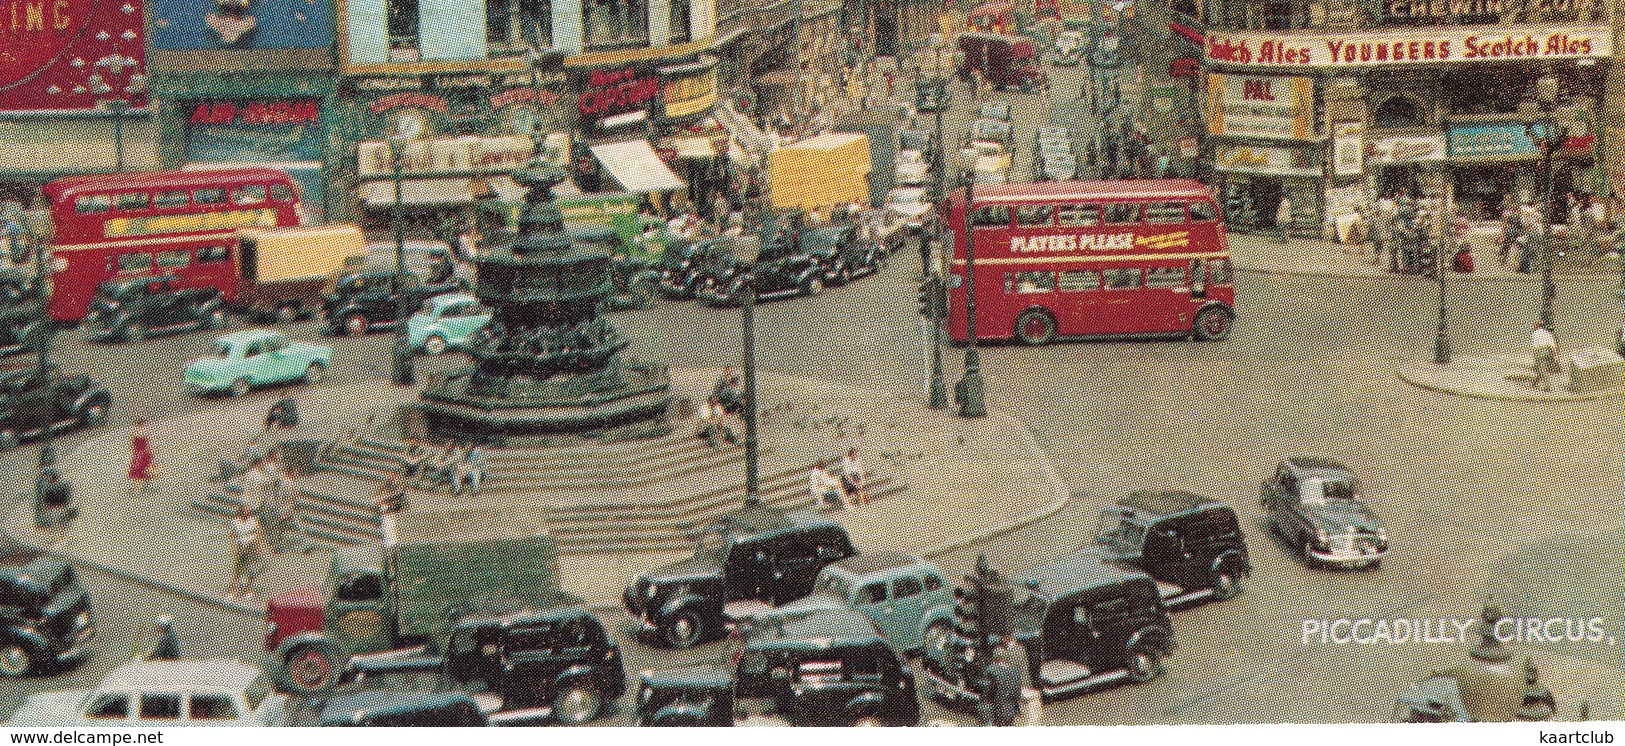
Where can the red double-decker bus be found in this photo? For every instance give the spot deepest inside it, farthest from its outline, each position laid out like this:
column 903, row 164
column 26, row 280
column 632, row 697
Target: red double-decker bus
column 1092, row 259
column 176, row 222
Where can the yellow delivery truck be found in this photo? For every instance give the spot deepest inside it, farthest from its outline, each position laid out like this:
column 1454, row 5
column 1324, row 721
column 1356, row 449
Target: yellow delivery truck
column 820, row 172
column 280, row 271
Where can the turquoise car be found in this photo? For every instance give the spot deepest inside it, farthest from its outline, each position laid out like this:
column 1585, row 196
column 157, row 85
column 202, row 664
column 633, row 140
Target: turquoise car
column 243, row 361
column 905, row 596
column 446, row 321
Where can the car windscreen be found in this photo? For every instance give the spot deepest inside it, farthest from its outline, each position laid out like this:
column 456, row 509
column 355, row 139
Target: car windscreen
column 1027, row 613
column 1119, row 532
column 1319, row 490
column 713, row 545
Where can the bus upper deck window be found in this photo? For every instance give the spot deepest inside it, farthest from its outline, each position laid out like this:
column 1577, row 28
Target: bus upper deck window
column 1123, row 213
column 248, row 195
column 168, row 200
column 1074, row 216
column 212, row 196
column 132, row 201
column 1202, row 212
column 1035, row 215
column 282, row 192
column 93, row 203
column 992, row 216
column 1164, row 213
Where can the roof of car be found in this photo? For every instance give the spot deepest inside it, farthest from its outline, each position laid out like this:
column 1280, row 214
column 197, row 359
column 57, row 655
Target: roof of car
column 690, row 676
column 863, row 564
column 446, row 299
column 249, row 335
column 349, row 708
column 822, row 629
column 1316, row 463
column 1167, row 502
column 1073, row 572
column 558, row 606
column 197, row 674
column 763, row 519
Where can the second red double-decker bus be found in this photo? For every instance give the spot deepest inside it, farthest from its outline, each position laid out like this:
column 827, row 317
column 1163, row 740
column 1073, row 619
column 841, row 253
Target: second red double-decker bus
column 176, row 222
column 1092, row 259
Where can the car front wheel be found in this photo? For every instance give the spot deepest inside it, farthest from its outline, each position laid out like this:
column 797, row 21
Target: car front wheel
column 435, row 345
column 356, row 325
column 1144, row 664
column 686, row 630
column 241, row 387
column 134, row 333
column 577, row 704
column 8, row 439
column 813, row 286
column 1226, row 585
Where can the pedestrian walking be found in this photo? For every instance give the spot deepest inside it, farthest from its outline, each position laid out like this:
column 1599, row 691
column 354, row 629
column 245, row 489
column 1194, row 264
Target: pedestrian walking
column 53, row 503
column 232, row 468
column 1004, row 690
column 247, row 555
column 470, row 471
column 283, row 415
column 141, row 466
column 166, row 645
column 1283, row 219
column 1543, row 348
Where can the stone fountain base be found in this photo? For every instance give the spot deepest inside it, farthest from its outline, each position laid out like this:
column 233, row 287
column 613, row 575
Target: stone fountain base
column 626, row 400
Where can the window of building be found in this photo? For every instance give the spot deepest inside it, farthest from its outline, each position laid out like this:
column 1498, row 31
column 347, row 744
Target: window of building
column 1035, row 215
column 1397, row 111
column 615, row 23
column 1165, row 212
column 170, row 200
column 134, row 262
column 212, row 254
column 1074, row 216
column 1025, row 283
column 679, row 21
column 1080, row 279
column 215, row 196
column 178, row 258
column 1123, row 213
column 1202, row 212
column 992, row 216
column 1122, row 279
column 1165, row 277
column 132, row 201
column 402, row 17
column 92, row 204
column 536, row 22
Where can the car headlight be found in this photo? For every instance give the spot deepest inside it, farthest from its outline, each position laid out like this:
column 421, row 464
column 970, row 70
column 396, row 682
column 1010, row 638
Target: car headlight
column 644, row 694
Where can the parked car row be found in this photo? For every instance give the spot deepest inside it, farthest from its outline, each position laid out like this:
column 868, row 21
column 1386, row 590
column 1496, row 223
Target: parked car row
column 792, row 258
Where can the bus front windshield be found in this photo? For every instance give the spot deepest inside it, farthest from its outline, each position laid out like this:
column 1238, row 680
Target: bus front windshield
column 1119, row 532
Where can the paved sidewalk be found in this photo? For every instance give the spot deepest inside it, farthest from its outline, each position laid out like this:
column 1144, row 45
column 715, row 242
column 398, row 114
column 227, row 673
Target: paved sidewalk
column 1316, row 257
column 1501, row 377
column 966, row 480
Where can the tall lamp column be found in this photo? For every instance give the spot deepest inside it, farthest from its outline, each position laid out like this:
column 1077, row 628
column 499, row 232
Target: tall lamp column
column 1540, row 125
column 401, row 373
column 747, row 320
column 970, row 391
column 1441, row 342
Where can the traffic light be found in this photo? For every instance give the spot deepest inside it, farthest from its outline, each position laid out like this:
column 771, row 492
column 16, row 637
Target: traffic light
column 928, row 295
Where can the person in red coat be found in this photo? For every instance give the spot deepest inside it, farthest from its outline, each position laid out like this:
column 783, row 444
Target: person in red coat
column 140, row 457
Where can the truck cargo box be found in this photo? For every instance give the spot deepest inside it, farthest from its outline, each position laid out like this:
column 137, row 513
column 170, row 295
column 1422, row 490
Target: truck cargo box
column 465, row 560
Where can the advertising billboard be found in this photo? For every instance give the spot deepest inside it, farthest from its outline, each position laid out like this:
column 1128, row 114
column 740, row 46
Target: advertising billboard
column 1261, row 106
column 60, row 55
column 197, row 25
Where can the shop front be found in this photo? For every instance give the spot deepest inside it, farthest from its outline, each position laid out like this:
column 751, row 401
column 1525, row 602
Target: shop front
column 1251, row 180
column 287, row 134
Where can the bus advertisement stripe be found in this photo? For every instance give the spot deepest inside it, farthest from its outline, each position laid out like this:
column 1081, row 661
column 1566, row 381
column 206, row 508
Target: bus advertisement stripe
column 1101, row 258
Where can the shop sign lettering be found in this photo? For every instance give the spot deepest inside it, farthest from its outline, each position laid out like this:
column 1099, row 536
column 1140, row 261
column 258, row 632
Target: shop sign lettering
column 1254, row 106
column 256, row 112
column 617, row 92
column 404, row 100
column 1407, row 46
column 1409, row 149
column 208, row 221
column 522, row 96
column 1480, row 8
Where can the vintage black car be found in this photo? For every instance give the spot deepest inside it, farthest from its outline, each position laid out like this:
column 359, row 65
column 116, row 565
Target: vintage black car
column 23, row 328
column 533, row 664
column 780, row 269
column 683, row 262
column 756, row 555
column 843, row 252
column 385, row 709
column 1314, row 504
column 131, row 310
column 1191, row 545
column 45, row 616
column 32, row 403
column 1084, row 623
column 829, row 669
column 356, row 302
column 932, row 94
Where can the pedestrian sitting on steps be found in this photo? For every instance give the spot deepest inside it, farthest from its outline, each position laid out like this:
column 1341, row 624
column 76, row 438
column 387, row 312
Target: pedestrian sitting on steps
column 470, row 471
column 713, row 427
column 853, row 479
column 414, row 459
column 826, row 488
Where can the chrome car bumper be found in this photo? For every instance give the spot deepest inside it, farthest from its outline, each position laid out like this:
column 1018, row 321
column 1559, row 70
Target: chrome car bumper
column 78, row 647
column 1354, row 555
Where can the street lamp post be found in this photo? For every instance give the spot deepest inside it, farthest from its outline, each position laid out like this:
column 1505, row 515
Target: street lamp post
column 970, row 391
column 1536, row 113
column 1441, row 342
column 747, row 321
column 401, row 369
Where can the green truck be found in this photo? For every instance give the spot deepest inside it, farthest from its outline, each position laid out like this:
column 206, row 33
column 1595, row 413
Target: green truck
column 402, row 598
column 618, row 210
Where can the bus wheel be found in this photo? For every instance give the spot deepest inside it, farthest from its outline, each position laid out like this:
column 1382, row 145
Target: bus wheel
column 1035, row 327
column 1212, row 324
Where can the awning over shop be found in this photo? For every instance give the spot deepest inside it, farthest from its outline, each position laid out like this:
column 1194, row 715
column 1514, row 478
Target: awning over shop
column 636, row 167
column 424, row 192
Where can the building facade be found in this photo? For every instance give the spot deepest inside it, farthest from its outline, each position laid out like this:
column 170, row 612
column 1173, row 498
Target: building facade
column 1333, row 103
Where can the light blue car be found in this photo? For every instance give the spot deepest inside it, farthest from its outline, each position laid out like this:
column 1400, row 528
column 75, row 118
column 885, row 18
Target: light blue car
column 905, row 596
column 446, row 322
column 243, row 361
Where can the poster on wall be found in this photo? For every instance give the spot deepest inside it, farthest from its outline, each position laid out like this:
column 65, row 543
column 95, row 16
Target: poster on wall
column 72, row 55
column 1348, row 148
column 193, row 25
column 1261, row 106
column 280, row 133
